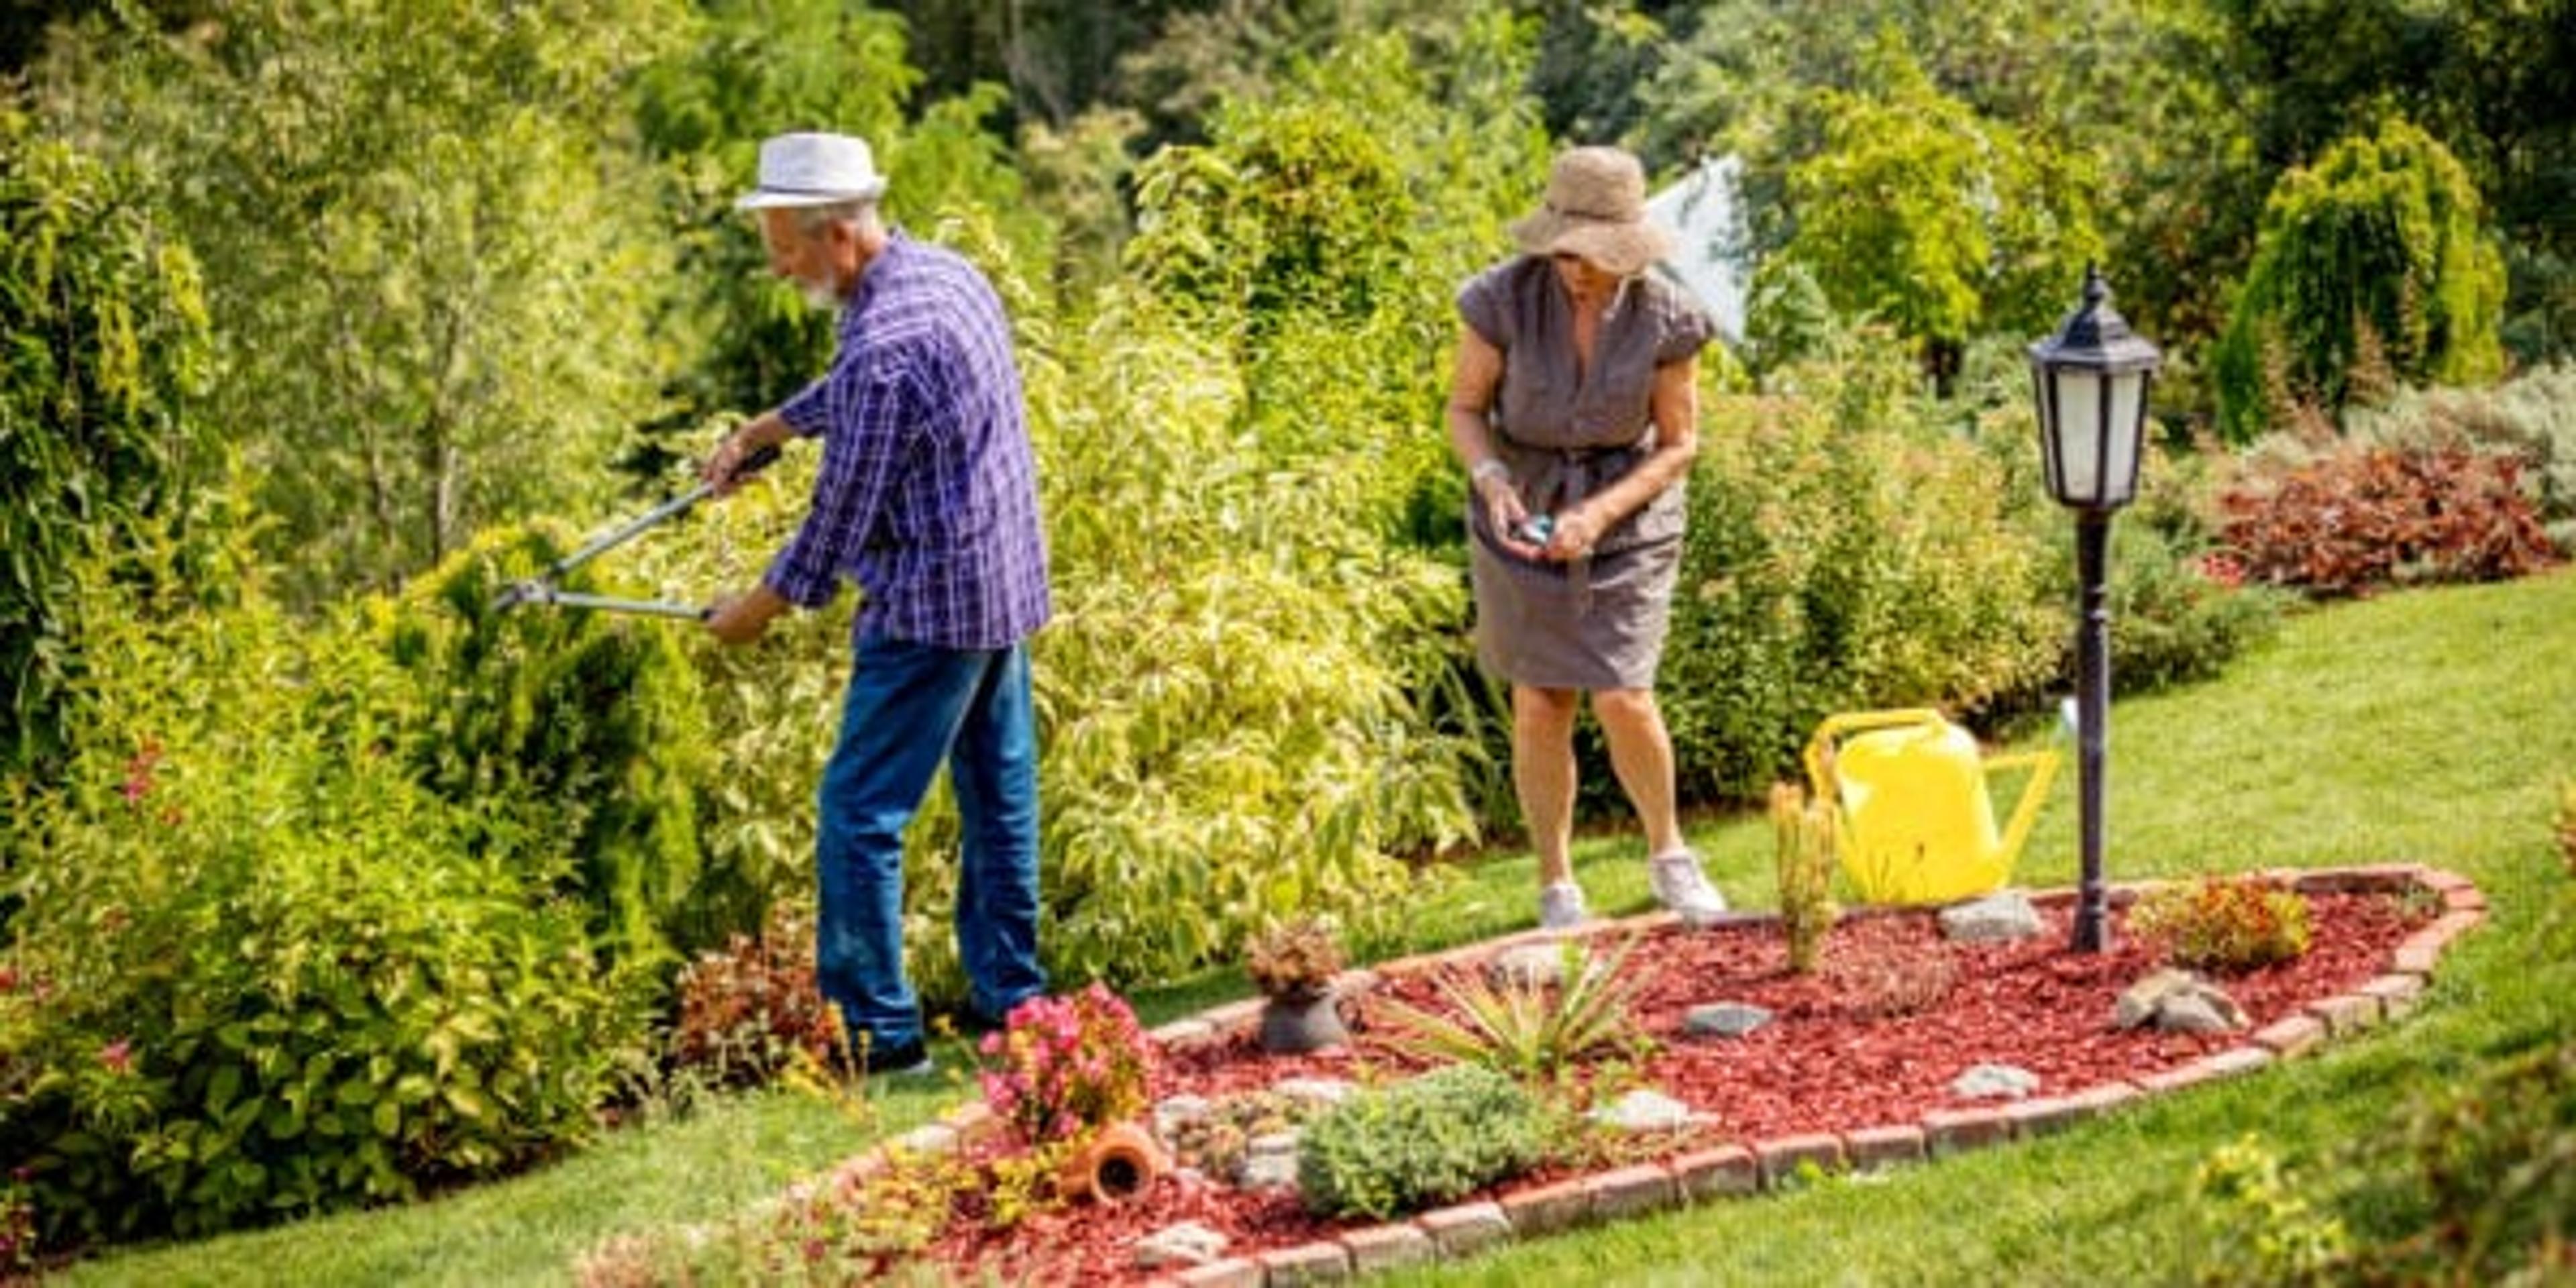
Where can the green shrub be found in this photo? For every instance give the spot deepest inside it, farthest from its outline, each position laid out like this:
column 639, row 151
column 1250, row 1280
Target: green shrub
column 108, row 346
column 2224, row 923
column 2259, row 1229
column 1404, row 1147
column 260, row 972
column 1843, row 554
column 582, row 730
column 2374, row 267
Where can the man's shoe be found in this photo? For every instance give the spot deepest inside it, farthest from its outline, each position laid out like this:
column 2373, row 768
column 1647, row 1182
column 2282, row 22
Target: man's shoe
column 895, row 1059
column 1680, row 886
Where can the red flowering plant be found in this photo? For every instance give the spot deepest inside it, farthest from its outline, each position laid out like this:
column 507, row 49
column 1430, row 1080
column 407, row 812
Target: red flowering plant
column 1062, row 1067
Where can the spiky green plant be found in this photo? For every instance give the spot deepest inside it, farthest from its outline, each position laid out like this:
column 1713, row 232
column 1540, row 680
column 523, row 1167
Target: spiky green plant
column 1529, row 1029
column 1804, row 832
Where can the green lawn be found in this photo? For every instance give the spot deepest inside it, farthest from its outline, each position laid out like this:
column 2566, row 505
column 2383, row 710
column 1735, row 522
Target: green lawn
column 2432, row 727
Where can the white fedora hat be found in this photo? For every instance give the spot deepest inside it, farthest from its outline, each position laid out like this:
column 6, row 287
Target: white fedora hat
column 813, row 170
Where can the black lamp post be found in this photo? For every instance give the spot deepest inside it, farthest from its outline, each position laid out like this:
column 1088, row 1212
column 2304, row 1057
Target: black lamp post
column 2092, row 380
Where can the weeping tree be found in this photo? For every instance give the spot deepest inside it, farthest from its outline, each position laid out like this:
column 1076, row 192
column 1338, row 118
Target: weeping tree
column 2374, row 268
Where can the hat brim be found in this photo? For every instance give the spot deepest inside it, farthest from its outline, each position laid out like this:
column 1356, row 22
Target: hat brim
column 788, row 199
column 1625, row 247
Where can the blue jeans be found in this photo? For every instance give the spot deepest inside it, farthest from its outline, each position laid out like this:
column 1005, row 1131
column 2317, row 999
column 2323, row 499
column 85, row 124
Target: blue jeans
column 910, row 707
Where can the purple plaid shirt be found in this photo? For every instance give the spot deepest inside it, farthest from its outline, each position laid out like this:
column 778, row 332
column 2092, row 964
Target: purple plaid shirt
column 927, row 496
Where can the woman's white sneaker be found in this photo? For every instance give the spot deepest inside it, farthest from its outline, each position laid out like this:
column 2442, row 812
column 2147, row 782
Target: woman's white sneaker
column 1680, row 886
column 1560, row 906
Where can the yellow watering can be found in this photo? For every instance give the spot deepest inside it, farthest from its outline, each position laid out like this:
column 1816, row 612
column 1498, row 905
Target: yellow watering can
column 1909, row 792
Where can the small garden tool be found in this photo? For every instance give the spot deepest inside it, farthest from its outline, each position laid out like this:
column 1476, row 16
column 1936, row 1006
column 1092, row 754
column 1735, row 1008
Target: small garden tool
column 542, row 589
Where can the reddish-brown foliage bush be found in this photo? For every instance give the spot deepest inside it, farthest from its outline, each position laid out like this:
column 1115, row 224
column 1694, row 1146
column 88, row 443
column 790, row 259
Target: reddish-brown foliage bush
column 746, row 1011
column 2361, row 516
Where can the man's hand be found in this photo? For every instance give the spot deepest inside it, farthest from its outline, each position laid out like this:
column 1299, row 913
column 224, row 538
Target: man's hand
column 741, row 619
column 723, row 467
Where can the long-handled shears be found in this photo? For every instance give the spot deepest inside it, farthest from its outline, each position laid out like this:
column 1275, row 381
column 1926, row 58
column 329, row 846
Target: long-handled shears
column 541, row 589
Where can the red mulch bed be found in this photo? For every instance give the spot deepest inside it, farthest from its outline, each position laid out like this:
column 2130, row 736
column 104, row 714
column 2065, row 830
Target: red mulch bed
column 1825, row 1063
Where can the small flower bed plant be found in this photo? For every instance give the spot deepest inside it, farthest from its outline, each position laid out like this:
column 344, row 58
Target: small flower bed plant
column 1062, row 1067
column 1296, row 958
column 2231, row 924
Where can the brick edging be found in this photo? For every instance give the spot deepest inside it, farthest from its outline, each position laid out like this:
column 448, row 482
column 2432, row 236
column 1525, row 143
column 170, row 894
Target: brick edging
column 1739, row 1169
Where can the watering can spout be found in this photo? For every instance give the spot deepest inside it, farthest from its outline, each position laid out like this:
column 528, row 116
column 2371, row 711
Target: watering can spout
column 1917, row 820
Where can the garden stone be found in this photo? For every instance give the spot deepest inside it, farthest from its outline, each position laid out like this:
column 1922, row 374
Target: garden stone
column 2005, row 915
column 1270, row 1162
column 1994, row 1081
column 1528, row 966
column 1645, row 1109
column 2191, row 1013
column 1724, row 1019
column 1188, row 1243
column 2171, row 998
column 1176, row 1112
column 1315, row 1093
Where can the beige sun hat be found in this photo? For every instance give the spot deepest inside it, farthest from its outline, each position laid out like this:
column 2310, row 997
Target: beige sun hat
column 1596, row 208
column 813, row 170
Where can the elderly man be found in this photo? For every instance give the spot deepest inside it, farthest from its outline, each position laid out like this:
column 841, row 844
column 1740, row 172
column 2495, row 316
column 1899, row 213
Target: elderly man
column 927, row 499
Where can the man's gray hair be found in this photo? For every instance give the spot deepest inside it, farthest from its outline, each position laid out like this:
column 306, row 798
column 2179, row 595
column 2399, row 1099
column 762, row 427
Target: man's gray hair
column 812, row 220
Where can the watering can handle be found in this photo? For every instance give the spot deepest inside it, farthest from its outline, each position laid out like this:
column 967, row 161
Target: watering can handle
column 1820, row 749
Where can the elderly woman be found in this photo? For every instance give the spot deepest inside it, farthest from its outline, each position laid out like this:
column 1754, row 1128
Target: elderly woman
column 1575, row 412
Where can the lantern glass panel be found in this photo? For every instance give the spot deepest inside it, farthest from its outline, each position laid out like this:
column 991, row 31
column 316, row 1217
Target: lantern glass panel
column 2126, row 389
column 2079, row 434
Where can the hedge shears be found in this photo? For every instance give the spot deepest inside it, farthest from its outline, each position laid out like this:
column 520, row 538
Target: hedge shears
column 542, row 588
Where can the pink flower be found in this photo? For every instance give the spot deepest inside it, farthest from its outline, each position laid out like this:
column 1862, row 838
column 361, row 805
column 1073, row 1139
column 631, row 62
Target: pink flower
column 118, row 1056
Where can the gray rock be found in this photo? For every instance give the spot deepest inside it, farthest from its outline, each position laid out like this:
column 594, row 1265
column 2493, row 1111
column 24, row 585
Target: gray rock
column 1175, row 1112
column 2177, row 1001
column 1724, row 1020
column 1186, row 1244
column 2190, row 1013
column 1528, row 966
column 1319, row 1093
column 1271, row 1168
column 1993, row 1082
column 2004, row 915
column 1645, row 1109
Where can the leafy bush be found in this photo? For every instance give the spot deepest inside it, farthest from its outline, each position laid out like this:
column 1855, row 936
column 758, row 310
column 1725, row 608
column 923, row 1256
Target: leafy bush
column 1843, row 554
column 108, row 347
column 749, row 1010
column 1527, row 1029
column 2374, row 267
column 2533, row 415
column 1400, row 1148
column 262, row 974
column 2356, row 517
column 2225, row 923
column 2259, row 1228
column 584, row 728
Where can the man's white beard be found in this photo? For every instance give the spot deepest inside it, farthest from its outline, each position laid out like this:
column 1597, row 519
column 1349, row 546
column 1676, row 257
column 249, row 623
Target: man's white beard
column 820, row 294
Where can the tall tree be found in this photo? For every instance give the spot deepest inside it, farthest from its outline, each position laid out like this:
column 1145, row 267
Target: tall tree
column 1947, row 225
column 429, row 274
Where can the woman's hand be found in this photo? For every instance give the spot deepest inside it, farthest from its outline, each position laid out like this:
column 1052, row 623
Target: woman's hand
column 1576, row 531
column 1505, row 514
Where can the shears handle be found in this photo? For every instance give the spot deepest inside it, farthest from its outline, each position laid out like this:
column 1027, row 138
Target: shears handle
column 542, row 587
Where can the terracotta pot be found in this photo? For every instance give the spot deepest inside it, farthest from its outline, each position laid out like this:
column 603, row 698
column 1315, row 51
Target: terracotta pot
column 1115, row 1165
column 1296, row 1023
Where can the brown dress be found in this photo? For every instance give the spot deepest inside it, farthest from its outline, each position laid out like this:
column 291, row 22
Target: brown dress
column 1599, row 622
